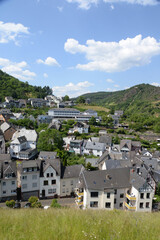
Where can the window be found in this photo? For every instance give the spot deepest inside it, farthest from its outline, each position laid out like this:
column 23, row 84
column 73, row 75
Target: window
column 24, row 186
column 108, row 195
column 71, row 182
column 47, row 174
column 45, row 183
column 108, row 205
column 34, row 177
column 121, row 195
column 63, row 190
column 115, row 191
column 141, row 205
column 115, row 201
column 63, row 184
column 54, row 181
column 147, row 204
column 4, row 183
column 34, row 185
column 13, row 182
column 24, row 177
column 50, row 191
column 94, row 204
column 4, row 192
column 94, row 194
column 148, row 195
column 51, row 174
column 13, row 191
column 121, row 205
column 142, row 195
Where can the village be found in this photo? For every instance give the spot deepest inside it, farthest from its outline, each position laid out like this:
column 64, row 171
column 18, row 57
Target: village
column 114, row 174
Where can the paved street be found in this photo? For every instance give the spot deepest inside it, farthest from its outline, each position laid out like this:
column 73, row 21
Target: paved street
column 69, row 202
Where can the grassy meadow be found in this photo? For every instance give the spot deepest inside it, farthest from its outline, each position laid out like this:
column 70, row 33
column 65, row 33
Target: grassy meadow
column 74, row 224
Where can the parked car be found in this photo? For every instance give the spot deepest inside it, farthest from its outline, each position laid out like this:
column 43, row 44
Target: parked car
column 17, row 205
column 27, row 205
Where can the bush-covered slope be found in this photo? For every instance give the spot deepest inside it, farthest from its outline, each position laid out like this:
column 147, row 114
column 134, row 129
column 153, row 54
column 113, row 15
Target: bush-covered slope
column 142, row 92
column 10, row 86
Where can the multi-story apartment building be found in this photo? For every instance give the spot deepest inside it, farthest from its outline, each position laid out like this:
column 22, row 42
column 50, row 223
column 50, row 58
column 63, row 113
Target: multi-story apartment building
column 8, row 180
column 120, row 188
column 63, row 112
column 28, row 178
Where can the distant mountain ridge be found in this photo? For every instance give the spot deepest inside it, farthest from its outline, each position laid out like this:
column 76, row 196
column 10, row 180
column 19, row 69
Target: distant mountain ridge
column 10, row 86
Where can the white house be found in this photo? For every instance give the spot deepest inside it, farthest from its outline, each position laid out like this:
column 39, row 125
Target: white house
column 30, row 135
column 80, row 128
column 95, row 148
column 120, row 188
column 50, row 172
column 20, row 148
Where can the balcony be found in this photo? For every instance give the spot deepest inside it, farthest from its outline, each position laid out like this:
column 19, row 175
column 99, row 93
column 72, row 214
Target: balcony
column 129, row 206
column 130, row 197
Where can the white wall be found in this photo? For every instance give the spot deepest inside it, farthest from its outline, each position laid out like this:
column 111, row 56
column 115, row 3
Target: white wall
column 56, row 186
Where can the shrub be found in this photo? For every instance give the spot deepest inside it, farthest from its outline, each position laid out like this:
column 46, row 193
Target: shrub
column 33, row 199
column 10, row 203
column 36, row 205
column 55, row 204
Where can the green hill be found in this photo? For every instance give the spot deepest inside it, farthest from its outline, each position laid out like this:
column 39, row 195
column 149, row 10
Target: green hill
column 10, row 86
column 123, row 99
column 140, row 103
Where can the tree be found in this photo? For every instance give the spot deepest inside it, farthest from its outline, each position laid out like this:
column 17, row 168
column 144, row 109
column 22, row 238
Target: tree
column 50, row 140
column 92, row 121
column 81, row 99
column 66, row 98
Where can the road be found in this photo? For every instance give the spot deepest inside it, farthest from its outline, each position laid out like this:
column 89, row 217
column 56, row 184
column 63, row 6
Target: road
column 65, row 202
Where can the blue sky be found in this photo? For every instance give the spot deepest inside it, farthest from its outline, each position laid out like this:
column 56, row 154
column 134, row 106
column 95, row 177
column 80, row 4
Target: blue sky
column 80, row 46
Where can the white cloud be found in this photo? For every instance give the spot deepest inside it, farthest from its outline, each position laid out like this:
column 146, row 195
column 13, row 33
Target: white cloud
column 110, row 80
column 112, row 7
column 111, row 90
column 115, row 56
column 155, row 84
column 72, row 89
column 16, row 69
column 11, row 32
column 86, row 4
column 140, row 2
column 45, row 75
column 48, row 61
column 60, row 9
column 116, row 86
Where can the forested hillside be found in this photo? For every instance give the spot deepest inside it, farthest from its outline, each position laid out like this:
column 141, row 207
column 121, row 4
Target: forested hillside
column 141, row 105
column 123, row 99
column 10, row 86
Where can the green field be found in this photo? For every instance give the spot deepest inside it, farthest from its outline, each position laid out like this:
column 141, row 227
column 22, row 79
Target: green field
column 74, row 224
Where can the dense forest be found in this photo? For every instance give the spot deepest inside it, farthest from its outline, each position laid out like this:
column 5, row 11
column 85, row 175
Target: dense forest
column 10, row 86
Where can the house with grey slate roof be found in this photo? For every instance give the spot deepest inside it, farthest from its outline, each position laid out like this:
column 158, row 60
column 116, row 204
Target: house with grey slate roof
column 95, row 148
column 119, row 188
column 69, row 179
column 8, row 179
column 28, row 178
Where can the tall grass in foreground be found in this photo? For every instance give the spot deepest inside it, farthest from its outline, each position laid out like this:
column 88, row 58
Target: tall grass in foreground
column 70, row 224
